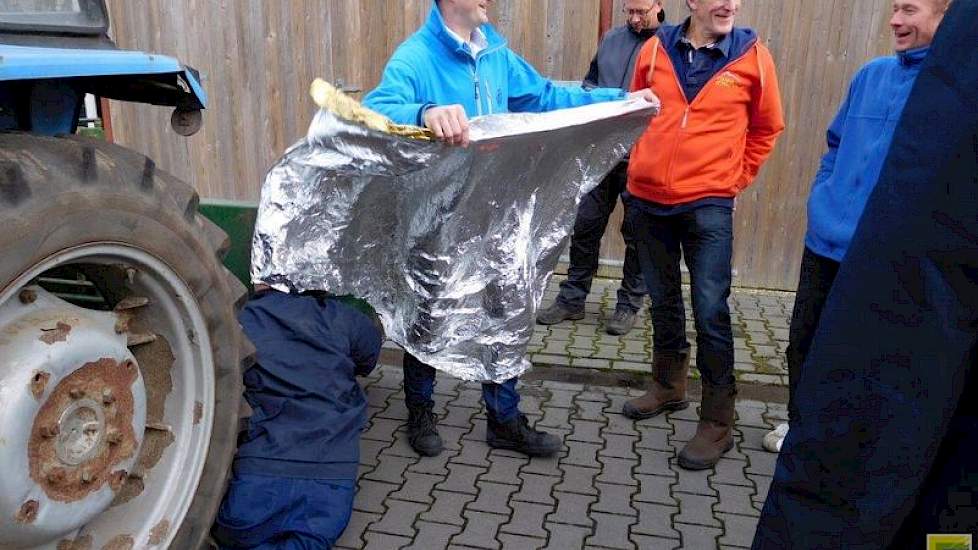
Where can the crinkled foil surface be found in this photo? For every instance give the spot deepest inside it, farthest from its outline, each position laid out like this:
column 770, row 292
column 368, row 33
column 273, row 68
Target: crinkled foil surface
column 452, row 246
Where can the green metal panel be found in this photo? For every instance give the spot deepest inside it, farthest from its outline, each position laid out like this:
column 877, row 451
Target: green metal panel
column 237, row 219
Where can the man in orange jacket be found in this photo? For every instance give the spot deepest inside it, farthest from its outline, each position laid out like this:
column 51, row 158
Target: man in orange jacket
column 721, row 115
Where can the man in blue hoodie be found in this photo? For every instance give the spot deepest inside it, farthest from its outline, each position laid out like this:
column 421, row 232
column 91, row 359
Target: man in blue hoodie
column 295, row 473
column 455, row 67
column 858, row 141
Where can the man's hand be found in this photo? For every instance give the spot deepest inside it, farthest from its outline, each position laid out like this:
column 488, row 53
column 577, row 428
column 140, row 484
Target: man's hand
column 449, row 124
column 645, row 94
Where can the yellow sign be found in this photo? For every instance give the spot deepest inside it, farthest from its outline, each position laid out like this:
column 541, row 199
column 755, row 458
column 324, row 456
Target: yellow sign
column 949, row 542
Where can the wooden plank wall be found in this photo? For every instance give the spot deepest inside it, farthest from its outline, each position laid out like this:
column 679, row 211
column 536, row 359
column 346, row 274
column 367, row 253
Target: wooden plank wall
column 257, row 58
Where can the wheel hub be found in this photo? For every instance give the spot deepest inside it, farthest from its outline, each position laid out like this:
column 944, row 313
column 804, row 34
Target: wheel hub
column 69, row 442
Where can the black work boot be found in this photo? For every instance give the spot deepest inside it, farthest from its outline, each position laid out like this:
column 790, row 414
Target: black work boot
column 517, row 435
column 558, row 313
column 621, row 322
column 422, row 434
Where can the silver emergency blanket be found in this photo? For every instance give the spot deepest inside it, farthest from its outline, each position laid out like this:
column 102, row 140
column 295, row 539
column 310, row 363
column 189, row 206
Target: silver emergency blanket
column 452, row 246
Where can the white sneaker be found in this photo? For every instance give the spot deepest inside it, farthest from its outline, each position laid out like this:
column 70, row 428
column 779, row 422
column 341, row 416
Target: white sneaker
column 775, row 438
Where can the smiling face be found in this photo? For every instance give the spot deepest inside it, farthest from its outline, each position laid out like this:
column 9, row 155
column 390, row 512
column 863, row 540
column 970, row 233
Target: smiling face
column 713, row 18
column 915, row 22
column 473, row 12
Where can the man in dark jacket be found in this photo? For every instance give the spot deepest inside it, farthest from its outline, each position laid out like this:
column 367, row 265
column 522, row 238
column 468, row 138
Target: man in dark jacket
column 611, row 67
column 882, row 453
column 295, row 473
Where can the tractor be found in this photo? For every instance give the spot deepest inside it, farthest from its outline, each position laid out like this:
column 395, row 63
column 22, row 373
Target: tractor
column 120, row 353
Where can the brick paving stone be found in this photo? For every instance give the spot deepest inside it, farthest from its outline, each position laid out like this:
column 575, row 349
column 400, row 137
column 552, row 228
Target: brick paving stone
column 611, row 531
column 555, row 417
column 460, row 417
column 566, row 537
column 504, row 469
column 629, row 366
column 659, row 421
column 618, row 423
column 735, row 499
column 655, row 489
column 383, row 541
column 655, row 462
column 433, row 536
column 527, row 519
column 558, row 333
column 753, row 437
column 581, row 356
column 564, row 386
column 382, row 429
column 693, row 482
column 537, row 488
column 377, row 396
column 417, row 487
column 766, row 379
column 400, row 448
column 586, row 431
column 655, row 439
column 578, row 479
column 572, row 509
column 738, row 530
column 494, row 498
column 543, row 466
column 472, row 455
column 582, row 454
column 562, row 399
column 760, row 462
column 762, row 484
column 698, row 537
column 370, row 497
column 480, row 530
column 617, row 470
column 353, row 535
column 615, row 499
column 541, row 359
column 369, row 451
column 655, row 543
column 590, row 410
column 399, row 518
column 696, row 509
column 518, row 542
column 448, row 508
column 684, row 430
column 619, row 446
column 731, row 472
column 590, row 363
column 435, row 465
column 395, row 409
column 655, row 520
column 461, row 479
column 390, row 468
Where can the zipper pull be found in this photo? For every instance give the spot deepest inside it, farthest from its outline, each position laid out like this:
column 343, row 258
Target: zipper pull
column 685, row 117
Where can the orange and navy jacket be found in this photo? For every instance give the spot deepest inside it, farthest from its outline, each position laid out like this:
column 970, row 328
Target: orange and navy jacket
column 714, row 146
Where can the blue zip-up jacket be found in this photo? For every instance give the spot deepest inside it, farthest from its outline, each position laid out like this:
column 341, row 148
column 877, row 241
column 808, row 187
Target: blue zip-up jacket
column 858, row 141
column 308, row 409
column 431, row 68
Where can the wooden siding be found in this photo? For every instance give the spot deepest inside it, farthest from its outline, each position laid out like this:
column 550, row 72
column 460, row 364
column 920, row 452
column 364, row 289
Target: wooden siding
column 257, row 58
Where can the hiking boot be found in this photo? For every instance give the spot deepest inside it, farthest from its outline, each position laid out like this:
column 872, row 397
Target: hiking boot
column 422, row 434
column 668, row 391
column 621, row 322
column 517, row 435
column 774, row 439
column 558, row 313
column 714, row 432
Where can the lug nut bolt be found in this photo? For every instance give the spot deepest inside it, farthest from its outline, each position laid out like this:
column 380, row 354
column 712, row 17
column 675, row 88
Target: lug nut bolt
column 86, row 476
column 76, row 393
column 27, row 296
column 113, row 437
column 28, row 512
column 107, row 397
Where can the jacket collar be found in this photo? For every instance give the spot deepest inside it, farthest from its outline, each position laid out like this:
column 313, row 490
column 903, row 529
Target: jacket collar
column 740, row 39
column 913, row 58
column 436, row 26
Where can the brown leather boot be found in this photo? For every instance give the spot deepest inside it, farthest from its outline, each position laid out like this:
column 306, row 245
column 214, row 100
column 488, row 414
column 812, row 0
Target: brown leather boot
column 714, row 433
column 668, row 391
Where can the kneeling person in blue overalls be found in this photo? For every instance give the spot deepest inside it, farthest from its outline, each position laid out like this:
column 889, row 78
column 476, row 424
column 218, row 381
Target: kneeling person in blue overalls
column 294, row 476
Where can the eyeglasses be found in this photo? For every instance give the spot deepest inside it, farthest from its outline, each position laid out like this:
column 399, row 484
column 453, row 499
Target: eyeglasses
column 633, row 13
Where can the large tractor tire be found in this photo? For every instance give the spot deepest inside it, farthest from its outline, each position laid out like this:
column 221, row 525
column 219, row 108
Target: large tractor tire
column 120, row 353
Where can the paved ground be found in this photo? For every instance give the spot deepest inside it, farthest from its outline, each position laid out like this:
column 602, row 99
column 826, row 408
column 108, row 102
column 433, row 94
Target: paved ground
column 615, row 486
column 760, row 328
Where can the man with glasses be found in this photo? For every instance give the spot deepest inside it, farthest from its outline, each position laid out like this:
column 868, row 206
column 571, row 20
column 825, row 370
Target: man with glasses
column 721, row 115
column 612, row 67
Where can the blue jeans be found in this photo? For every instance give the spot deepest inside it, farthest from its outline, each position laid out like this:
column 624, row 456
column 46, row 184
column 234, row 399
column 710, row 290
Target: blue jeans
column 704, row 236
column 592, row 219
column 502, row 400
column 280, row 513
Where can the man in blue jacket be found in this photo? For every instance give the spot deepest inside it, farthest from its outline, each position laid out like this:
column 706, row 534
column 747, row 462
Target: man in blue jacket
column 883, row 453
column 612, row 67
column 455, row 67
column 295, row 473
column 858, row 140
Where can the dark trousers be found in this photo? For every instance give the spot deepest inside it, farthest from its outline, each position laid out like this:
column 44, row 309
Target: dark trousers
column 592, row 219
column 814, row 282
column 502, row 400
column 704, row 236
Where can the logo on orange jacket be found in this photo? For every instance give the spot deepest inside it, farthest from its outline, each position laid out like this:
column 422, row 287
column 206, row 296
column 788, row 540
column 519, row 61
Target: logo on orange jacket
column 728, row 80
